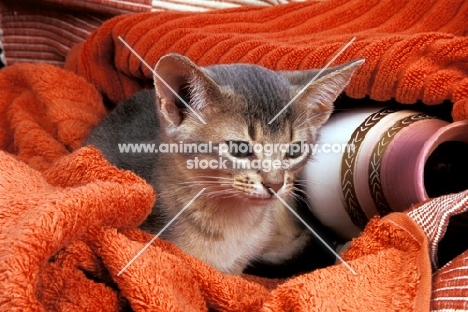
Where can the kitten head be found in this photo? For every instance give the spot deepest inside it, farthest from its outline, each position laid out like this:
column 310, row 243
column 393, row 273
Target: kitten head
column 258, row 120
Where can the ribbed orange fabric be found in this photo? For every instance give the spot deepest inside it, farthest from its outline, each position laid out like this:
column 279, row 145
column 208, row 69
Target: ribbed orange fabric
column 413, row 50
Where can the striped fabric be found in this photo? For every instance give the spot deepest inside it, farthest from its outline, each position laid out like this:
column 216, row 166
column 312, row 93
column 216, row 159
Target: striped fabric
column 436, row 217
column 43, row 36
column 46, row 32
column 205, row 5
column 450, row 286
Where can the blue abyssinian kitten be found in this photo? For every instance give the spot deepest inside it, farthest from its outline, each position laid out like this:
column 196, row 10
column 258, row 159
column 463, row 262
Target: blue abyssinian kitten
column 238, row 218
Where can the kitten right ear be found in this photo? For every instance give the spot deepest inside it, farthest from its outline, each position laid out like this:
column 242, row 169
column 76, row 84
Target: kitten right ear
column 318, row 97
column 179, row 82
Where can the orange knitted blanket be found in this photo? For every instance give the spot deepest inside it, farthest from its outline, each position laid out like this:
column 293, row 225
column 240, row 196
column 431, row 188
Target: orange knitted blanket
column 414, row 50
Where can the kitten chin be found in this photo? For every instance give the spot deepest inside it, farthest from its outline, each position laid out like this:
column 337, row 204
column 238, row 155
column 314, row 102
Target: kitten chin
column 237, row 218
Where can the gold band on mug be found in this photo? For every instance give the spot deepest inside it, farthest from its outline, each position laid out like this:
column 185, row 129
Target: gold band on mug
column 351, row 203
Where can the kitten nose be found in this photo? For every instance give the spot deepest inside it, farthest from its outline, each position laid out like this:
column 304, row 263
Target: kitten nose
column 274, row 186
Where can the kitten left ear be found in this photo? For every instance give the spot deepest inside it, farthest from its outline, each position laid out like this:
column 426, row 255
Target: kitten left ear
column 318, row 97
column 180, row 82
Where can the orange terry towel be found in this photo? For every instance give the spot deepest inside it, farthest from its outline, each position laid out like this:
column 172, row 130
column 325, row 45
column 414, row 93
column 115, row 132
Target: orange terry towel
column 45, row 113
column 66, row 235
column 414, row 50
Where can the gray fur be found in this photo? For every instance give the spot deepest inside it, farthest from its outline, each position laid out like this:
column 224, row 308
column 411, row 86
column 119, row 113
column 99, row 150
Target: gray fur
column 264, row 92
column 135, row 120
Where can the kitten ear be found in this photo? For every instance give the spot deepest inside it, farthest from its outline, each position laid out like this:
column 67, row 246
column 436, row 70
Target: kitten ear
column 190, row 86
column 318, row 97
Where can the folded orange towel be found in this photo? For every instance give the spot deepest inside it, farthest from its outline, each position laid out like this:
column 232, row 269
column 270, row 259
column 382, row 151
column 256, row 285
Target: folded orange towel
column 413, row 51
column 68, row 227
column 45, row 113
